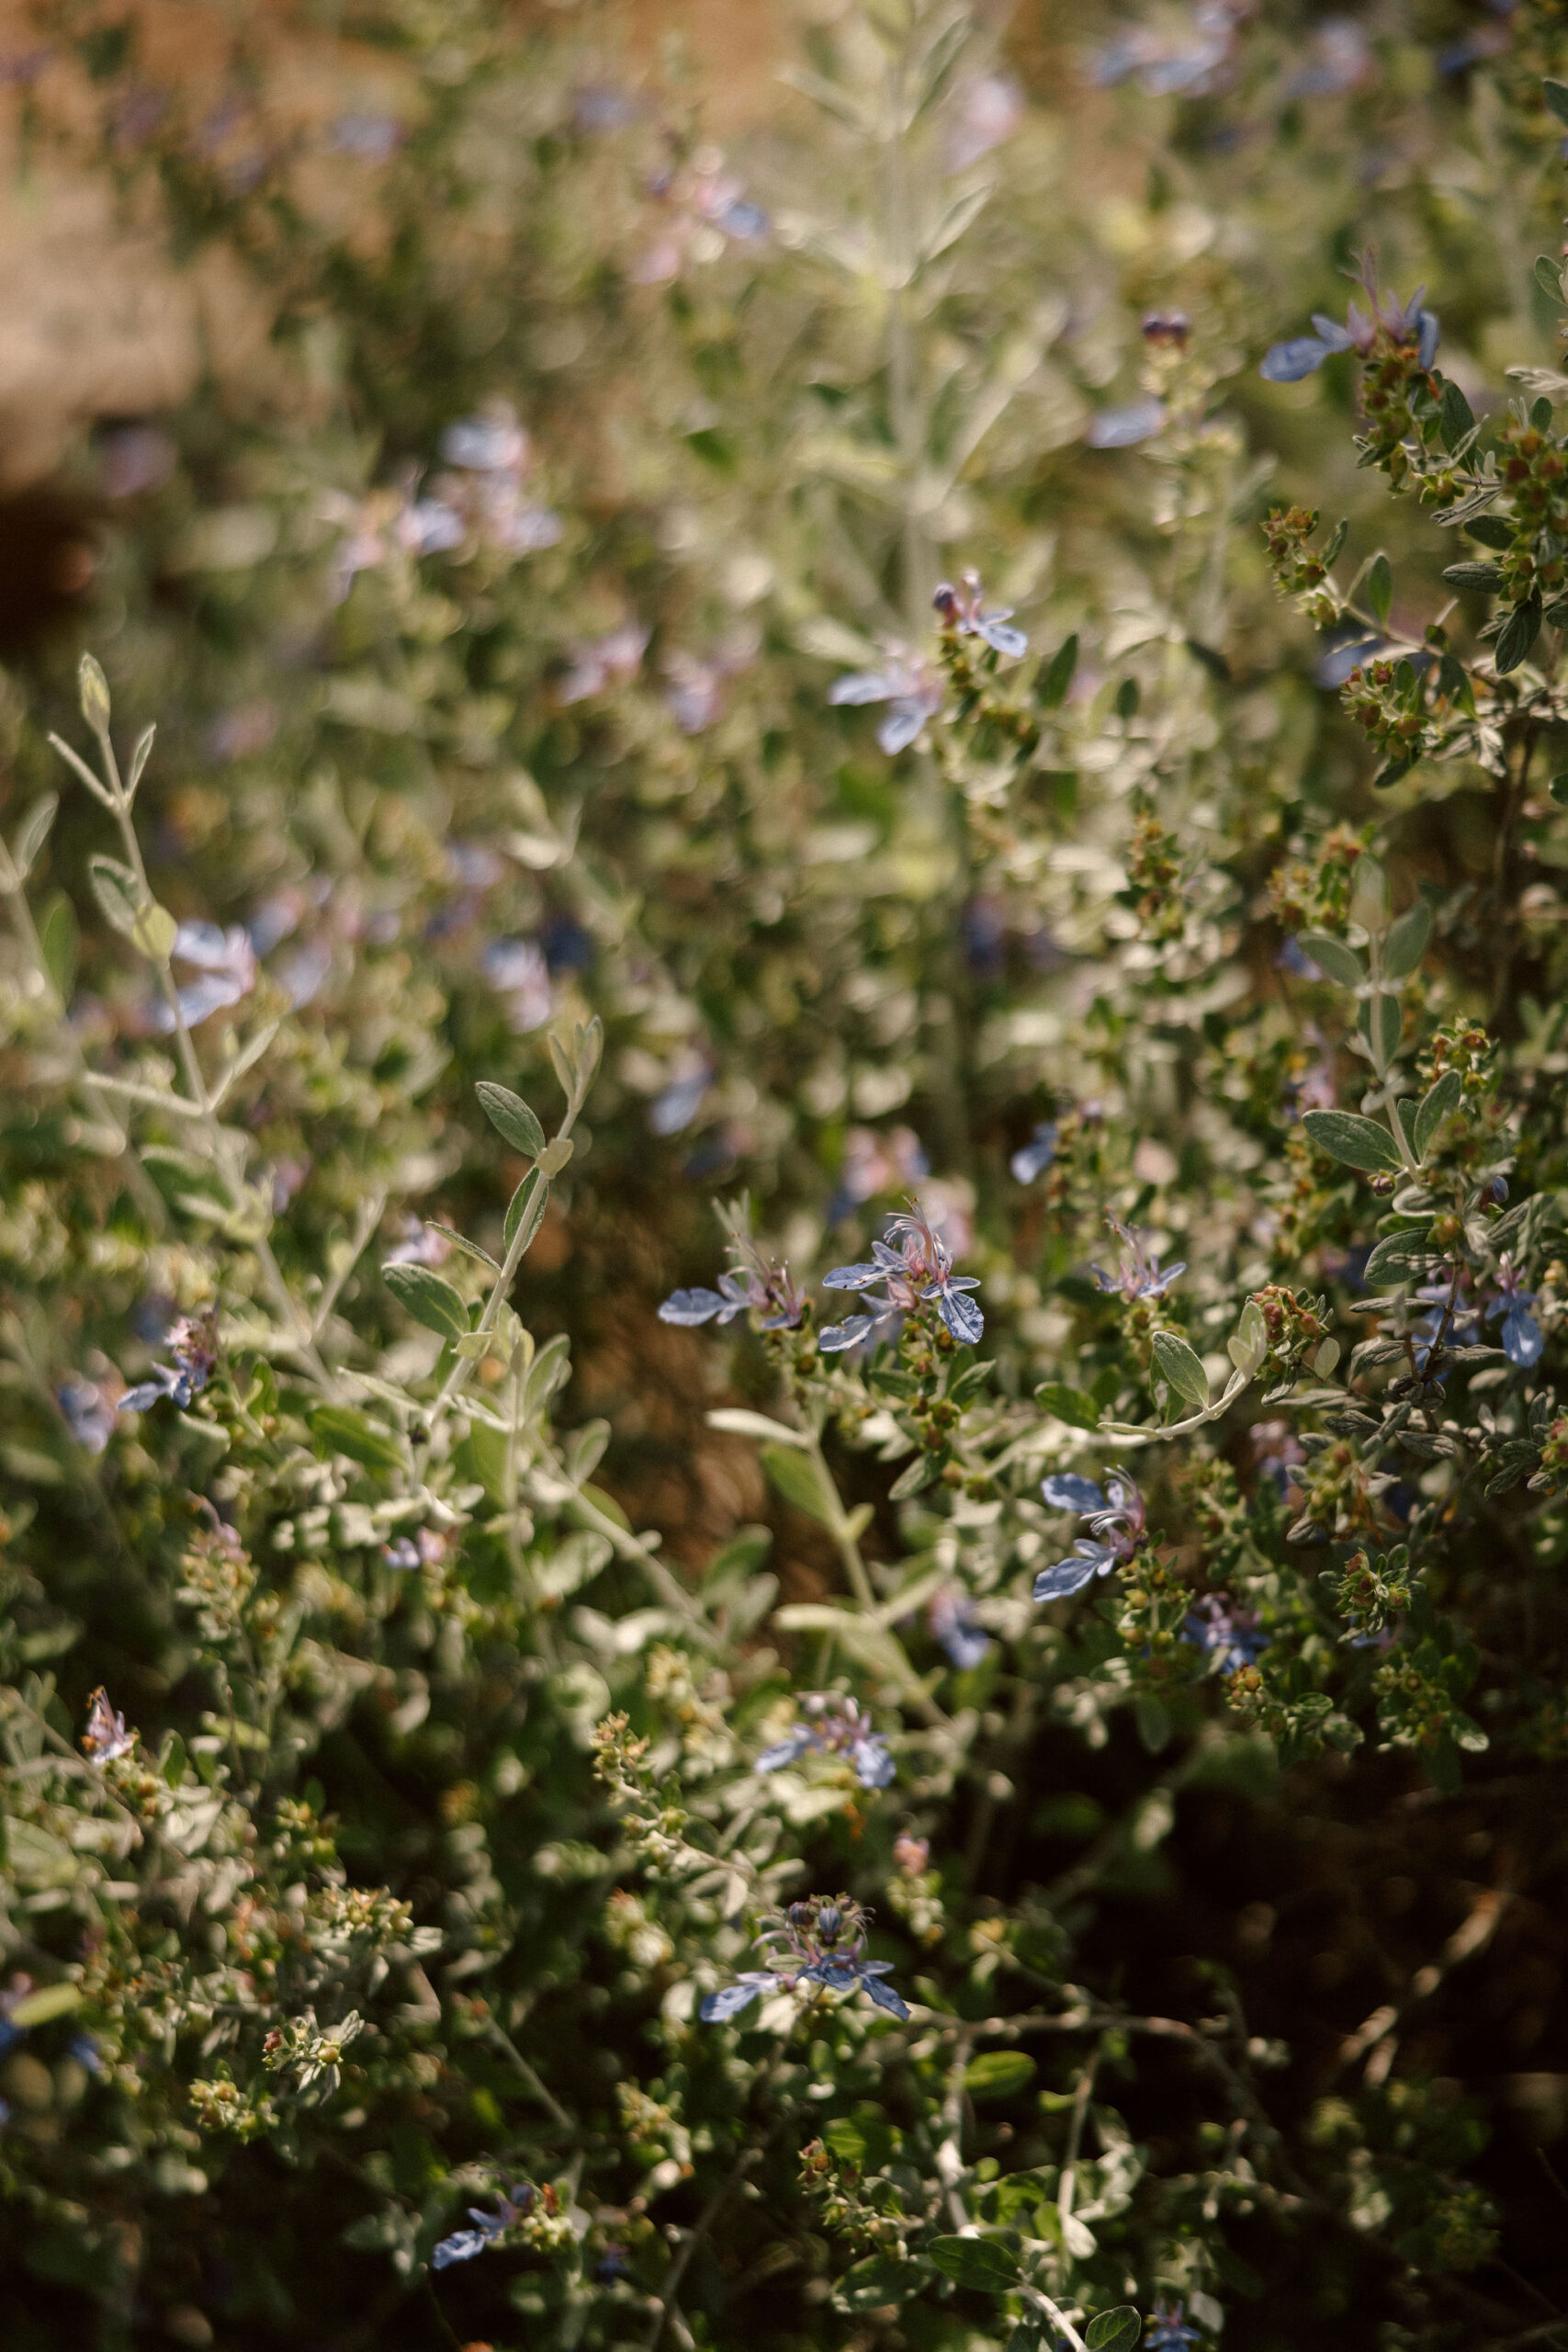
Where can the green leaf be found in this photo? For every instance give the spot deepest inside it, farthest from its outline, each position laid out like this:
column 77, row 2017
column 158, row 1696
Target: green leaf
column 1052, row 689
column 428, row 1299
column 1360, row 1142
column 982, row 2262
column 912, row 1478
column 1436, row 1104
column 49, row 2001
column 346, row 1432
column 800, row 1482
column 1399, row 1257
column 881, row 2280
column 998, row 2074
column 1558, row 789
column 34, row 832
column 1382, row 1023
column 1407, row 943
column 1069, row 1404
column 511, row 1117
column 1113, row 2331
column 1473, row 575
column 1492, row 531
column 526, row 1212
column 1519, row 633
column 1380, row 589
column 1456, row 416
column 1549, row 276
column 1249, row 1345
column 1333, row 958
column 118, row 891
column 1556, row 97
column 1180, row 1365
column 461, row 1241
column 60, row 939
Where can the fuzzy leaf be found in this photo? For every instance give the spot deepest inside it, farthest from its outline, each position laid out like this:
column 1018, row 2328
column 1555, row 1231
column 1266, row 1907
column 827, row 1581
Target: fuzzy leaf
column 1113, row 2331
column 1407, row 943
column 1359, row 1143
column 1181, row 1369
column 1380, row 589
column 511, row 1117
column 346, row 1432
column 428, row 1299
column 800, row 1482
column 1333, row 958
column 1436, row 1104
column 982, row 2262
column 998, row 2074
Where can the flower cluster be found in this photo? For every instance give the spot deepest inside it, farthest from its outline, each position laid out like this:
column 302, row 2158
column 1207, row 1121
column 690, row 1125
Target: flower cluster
column 833, row 1726
column 819, row 1942
column 913, row 1265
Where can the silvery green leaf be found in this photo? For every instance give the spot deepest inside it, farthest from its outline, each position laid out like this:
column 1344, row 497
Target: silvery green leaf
column 1355, row 1141
column 1436, row 1104
column 1407, row 943
column 511, row 1117
column 428, row 1298
column 34, row 832
column 1380, row 588
column 1333, row 958
column 1180, row 1365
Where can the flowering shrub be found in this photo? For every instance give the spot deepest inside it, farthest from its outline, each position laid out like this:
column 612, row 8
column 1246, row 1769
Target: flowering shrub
column 857, row 1839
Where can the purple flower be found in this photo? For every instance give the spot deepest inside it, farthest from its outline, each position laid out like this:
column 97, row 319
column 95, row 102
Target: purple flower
column 962, row 613
column 1523, row 1339
column 1140, row 1275
column 953, row 1621
column 421, row 1245
column 834, row 1726
column 192, row 1343
column 822, row 1943
column 518, row 972
column 463, row 2244
column 911, row 687
column 1166, row 2332
column 492, row 443
column 89, row 1414
column 919, row 1269
column 227, row 962
column 756, row 1284
column 1218, row 1627
column 1116, row 1530
column 1406, row 325
column 608, row 661
column 105, row 1738
column 1121, row 429
column 1036, row 1155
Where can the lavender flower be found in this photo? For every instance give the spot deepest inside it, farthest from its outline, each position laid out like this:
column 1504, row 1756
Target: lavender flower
column 952, row 1619
column 1166, row 2332
column 919, row 1269
column 756, row 1284
column 421, row 1245
column 226, row 961
column 518, row 972
column 1218, row 1628
column 192, row 1343
column 89, row 1412
column 822, row 1943
column 463, row 2244
column 912, row 689
column 1140, row 1275
column 607, row 660
column 1116, row 1531
column 675, row 1108
column 1523, row 1339
column 833, row 1726
column 1405, row 324
column 1124, row 427
column 1036, row 1155
column 106, row 1739
column 962, row 613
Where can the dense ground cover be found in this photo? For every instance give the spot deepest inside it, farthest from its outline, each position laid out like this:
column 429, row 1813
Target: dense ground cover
column 972, row 1748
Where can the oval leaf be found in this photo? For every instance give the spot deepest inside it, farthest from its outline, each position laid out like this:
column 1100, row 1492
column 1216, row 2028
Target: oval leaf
column 800, row 1482
column 998, row 2074
column 49, row 2001
column 1359, row 1143
column 1113, row 2331
column 349, row 1433
column 1435, row 1107
column 526, row 1212
column 1181, row 1368
column 980, row 2263
column 428, row 1299
column 1333, row 958
column 511, row 1117
column 1407, row 943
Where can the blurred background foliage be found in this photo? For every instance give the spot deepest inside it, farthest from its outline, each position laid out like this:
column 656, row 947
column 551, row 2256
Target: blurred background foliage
column 755, row 374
